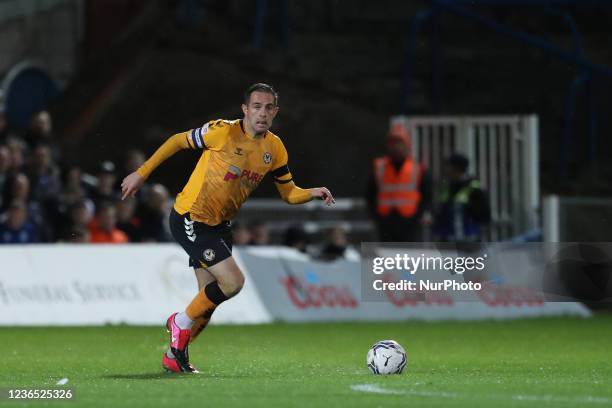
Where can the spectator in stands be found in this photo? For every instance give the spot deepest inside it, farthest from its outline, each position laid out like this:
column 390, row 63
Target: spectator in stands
column 127, row 220
column 240, row 234
column 399, row 191
column 296, row 237
column 260, row 235
column 81, row 213
column 44, row 176
column 75, row 209
column 45, row 189
column 335, row 245
column 103, row 228
column 17, row 187
column 464, row 208
column 58, row 208
column 73, row 179
column 15, row 227
column 153, row 213
column 105, row 188
column 73, row 188
column 40, row 131
column 40, row 128
column 17, row 149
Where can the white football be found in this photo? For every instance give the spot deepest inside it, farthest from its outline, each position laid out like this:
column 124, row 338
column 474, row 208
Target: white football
column 387, row 357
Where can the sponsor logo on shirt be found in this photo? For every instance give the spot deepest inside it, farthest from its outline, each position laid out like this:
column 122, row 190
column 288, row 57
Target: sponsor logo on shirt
column 234, row 173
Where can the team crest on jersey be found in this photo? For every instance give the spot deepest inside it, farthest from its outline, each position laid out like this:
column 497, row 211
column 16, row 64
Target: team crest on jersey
column 267, row 157
column 209, row 254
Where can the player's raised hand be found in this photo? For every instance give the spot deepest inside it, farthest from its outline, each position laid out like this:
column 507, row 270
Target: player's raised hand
column 322, row 193
column 130, row 185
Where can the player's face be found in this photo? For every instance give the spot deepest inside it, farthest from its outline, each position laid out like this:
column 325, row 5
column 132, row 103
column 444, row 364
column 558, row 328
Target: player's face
column 260, row 112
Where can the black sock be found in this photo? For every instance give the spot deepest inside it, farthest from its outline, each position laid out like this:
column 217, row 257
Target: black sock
column 214, row 293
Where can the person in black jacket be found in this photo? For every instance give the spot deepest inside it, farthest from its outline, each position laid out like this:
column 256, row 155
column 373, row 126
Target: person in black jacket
column 463, row 209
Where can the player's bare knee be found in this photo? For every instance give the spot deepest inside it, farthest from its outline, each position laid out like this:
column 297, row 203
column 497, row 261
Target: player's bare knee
column 228, row 276
column 231, row 285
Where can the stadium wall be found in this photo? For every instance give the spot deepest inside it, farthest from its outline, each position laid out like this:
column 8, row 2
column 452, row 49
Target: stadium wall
column 142, row 284
column 44, row 32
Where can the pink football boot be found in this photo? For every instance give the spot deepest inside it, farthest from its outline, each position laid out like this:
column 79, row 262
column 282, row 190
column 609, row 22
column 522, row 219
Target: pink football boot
column 179, row 341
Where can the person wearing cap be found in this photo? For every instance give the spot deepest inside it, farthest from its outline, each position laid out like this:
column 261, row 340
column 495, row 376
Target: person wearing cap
column 399, row 191
column 105, row 188
column 463, row 209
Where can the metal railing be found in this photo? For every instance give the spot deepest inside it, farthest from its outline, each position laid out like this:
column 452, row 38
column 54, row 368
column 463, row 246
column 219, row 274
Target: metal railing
column 504, row 157
column 315, row 217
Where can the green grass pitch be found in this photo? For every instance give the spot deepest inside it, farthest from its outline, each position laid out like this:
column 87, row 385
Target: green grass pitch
column 553, row 362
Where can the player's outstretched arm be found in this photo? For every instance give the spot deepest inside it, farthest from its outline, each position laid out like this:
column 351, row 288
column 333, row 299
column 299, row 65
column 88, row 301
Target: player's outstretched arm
column 134, row 181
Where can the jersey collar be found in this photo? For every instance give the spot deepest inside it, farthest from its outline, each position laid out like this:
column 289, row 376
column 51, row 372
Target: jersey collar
column 249, row 135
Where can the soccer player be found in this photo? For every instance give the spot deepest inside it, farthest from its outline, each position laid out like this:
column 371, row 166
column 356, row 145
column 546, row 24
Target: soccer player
column 236, row 156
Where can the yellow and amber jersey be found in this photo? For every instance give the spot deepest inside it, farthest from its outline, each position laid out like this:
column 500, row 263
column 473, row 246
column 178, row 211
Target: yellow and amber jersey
column 231, row 166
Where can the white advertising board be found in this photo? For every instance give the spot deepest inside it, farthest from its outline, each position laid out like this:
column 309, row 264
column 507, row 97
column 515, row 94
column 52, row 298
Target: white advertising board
column 143, row 284
column 100, row 284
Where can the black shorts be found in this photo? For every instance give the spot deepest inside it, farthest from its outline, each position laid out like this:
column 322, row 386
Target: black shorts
column 206, row 245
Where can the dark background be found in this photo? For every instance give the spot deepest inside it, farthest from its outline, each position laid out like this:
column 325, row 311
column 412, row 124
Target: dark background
column 146, row 70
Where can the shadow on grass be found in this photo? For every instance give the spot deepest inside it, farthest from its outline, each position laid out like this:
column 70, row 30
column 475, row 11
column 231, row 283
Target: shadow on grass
column 147, row 376
column 174, row 376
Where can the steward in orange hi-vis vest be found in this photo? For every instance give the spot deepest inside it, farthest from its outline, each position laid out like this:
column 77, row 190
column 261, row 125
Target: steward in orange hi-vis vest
column 399, row 190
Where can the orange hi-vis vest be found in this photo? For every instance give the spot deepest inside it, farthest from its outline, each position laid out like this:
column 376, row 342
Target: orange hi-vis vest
column 398, row 190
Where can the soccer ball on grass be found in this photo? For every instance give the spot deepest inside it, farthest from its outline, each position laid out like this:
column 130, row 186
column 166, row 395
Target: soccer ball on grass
column 386, row 357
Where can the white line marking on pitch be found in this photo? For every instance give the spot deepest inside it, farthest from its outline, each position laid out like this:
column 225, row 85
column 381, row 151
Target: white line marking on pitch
column 377, row 389
column 373, row 388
